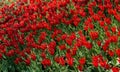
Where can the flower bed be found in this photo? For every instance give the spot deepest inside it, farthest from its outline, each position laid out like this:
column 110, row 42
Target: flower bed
column 60, row 36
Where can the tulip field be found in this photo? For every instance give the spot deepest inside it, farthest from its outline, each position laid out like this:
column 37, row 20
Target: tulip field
column 59, row 35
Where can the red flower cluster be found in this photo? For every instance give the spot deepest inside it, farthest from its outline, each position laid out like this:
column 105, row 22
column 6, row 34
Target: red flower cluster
column 75, row 33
